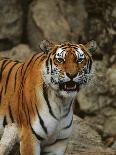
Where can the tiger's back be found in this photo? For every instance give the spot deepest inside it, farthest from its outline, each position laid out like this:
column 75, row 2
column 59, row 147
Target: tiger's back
column 12, row 89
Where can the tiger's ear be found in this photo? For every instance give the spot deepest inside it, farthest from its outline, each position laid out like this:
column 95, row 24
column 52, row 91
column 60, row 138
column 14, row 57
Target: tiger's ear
column 91, row 46
column 45, row 46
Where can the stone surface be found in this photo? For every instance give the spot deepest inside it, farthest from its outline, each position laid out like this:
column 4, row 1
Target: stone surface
column 111, row 78
column 49, row 20
column 110, row 126
column 101, row 23
column 10, row 23
column 86, row 141
column 46, row 21
column 20, row 52
column 76, row 15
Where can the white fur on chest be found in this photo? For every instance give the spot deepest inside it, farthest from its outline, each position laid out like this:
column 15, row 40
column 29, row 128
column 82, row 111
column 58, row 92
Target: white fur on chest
column 55, row 127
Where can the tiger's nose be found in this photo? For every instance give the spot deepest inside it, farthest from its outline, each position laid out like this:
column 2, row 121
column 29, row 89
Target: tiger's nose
column 71, row 76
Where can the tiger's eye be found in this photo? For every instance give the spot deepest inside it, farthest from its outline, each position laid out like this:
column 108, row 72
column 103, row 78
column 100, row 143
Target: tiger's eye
column 80, row 57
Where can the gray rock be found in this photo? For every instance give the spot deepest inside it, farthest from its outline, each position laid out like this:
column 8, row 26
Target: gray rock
column 76, row 15
column 101, row 24
column 96, row 122
column 114, row 146
column 20, row 52
column 111, row 79
column 10, row 23
column 110, row 126
column 56, row 20
column 86, row 141
column 46, row 21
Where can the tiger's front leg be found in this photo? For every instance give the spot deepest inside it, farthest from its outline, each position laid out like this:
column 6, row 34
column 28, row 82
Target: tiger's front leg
column 29, row 145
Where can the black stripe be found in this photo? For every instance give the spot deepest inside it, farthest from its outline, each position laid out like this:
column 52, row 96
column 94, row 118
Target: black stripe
column 10, row 113
column 64, row 47
column 90, row 65
column 68, row 126
column 24, row 107
column 47, row 60
column 37, row 136
column 68, row 110
column 38, row 58
column 47, row 64
column 32, row 108
column 41, row 121
column 3, row 67
column 28, row 65
column 19, row 115
column 1, row 95
column 57, row 140
column 4, row 121
column 3, row 64
column 47, row 101
column 22, row 69
column 32, row 65
column 16, row 78
column 9, row 73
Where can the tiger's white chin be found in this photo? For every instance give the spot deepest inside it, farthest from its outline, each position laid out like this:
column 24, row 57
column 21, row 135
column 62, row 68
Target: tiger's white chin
column 66, row 94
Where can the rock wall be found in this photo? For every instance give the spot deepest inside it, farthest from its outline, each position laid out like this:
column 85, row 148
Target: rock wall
column 10, row 23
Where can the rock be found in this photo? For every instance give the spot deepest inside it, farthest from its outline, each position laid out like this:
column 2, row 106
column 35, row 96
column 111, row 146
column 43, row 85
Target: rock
column 96, row 122
column 86, row 141
column 59, row 25
column 10, row 23
column 109, row 111
column 101, row 24
column 76, row 15
column 20, row 52
column 111, row 78
column 114, row 146
column 110, row 126
column 45, row 21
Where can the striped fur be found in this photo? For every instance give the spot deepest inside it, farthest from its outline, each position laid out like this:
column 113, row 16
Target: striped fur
column 38, row 96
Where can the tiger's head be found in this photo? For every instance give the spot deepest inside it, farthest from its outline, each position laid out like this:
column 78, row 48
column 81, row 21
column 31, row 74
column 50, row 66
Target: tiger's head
column 67, row 66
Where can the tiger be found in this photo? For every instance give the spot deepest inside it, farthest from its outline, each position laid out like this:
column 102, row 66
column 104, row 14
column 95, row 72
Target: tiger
column 38, row 94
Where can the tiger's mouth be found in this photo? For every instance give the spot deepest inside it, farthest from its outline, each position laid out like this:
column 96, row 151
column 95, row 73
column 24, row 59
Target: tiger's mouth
column 69, row 86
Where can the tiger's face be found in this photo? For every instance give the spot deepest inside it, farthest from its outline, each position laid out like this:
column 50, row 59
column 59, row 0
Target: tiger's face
column 68, row 66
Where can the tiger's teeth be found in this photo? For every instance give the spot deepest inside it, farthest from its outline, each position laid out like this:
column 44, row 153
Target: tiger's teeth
column 65, row 86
